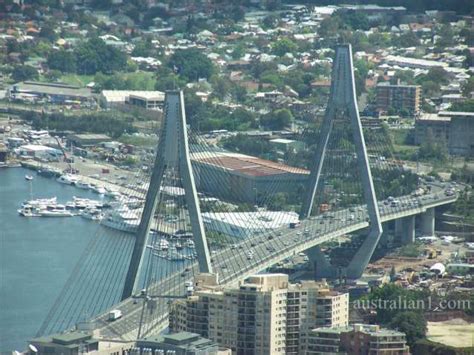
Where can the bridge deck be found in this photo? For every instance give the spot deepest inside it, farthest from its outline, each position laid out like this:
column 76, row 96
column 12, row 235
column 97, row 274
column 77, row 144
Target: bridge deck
column 228, row 263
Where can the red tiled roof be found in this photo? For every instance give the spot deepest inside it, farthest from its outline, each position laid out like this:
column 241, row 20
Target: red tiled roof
column 252, row 166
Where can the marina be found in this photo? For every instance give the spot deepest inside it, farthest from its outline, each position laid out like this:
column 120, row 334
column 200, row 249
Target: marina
column 49, row 207
column 37, row 254
column 48, row 248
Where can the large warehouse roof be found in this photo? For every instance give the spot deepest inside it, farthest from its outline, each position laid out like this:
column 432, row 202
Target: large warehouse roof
column 247, row 165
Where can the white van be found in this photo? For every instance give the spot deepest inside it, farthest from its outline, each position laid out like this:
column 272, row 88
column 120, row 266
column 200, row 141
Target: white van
column 115, row 314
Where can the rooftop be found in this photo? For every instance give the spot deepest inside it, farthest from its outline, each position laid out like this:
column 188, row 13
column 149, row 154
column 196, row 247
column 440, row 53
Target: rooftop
column 414, row 61
column 456, row 114
column 122, row 95
column 183, row 340
column 248, row 165
column 260, row 220
column 90, row 136
column 149, row 95
column 51, row 89
column 282, row 140
column 71, row 338
column 388, row 85
column 433, row 117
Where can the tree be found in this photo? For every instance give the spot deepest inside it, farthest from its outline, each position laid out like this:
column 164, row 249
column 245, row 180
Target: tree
column 413, row 324
column 258, row 68
column 463, row 106
column 248, row 145
column 47, row 31
column 239, row 93
column 62, row 60
column 243, row 119
column 438, row 75
column 237, row 13
column 446, row 39
column 283, row 46
column 354, row 20
column 430, row 88
column 468, row 87
column 101, row 4
column 278, row 119
column 239, row 51
column 221, row 86
column 191, row 64
column 408, row 39
column 142, row 49
column 270, row 21
column 277, row 202
column 94, row 55
column 53, row 75
column 24, row 72
column 329, row 27
column 360, row 75
column 272, row 5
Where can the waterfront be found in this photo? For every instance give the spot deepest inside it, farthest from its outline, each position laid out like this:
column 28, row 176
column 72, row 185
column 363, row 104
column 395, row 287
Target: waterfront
column 37, row 255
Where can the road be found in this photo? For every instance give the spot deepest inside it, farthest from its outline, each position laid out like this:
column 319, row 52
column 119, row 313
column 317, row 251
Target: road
column 252, row 255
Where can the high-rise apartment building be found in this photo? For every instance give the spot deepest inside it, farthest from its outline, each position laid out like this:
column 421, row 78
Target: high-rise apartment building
column 399, row 98
column 264, row 315
column 310, row 305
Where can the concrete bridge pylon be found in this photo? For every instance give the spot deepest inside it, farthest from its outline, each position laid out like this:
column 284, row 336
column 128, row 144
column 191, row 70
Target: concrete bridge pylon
column 343, row 105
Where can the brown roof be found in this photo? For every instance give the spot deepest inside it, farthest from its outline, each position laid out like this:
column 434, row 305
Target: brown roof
column 251, row 166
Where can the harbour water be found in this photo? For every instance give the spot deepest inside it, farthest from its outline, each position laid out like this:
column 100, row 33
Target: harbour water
column 37, row 255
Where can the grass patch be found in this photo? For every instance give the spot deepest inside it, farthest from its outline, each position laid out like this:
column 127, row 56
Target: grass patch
column 75, row 79
column 138, row 141
column 411, row 250
column 399, row 136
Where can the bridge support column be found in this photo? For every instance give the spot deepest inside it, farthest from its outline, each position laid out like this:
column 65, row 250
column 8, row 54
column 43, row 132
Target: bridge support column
column 408, row 235
column 428, row 222
column 398, row 229
column 321, row 265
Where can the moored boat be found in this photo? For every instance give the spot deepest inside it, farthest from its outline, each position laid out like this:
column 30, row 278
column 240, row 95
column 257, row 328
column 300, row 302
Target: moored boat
column 122, row 219
column 67, row 179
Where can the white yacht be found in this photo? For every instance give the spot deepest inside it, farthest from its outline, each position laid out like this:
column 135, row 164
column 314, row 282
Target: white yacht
column 67, row 179
column 55, row 211
column 82, row 203
column 83, row 185
column 40, row 202
column 123, row 219
column 190, row 243
column 92, row 214
column 29, row 211
column 98, row 189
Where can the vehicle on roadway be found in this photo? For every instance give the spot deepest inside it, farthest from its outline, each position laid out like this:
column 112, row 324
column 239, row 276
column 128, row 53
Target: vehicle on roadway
column 115, row 314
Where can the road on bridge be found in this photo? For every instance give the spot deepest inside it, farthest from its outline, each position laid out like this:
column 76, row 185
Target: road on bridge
column 236, row 262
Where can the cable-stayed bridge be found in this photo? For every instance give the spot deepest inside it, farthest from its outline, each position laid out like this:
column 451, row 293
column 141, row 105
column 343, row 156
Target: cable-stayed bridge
column 344, row 180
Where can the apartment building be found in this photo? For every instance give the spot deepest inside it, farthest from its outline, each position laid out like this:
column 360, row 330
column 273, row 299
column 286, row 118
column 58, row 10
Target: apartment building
column 432, row 126
column 358, row 339
column 310, row 305
column 264, row 315
column 399, row 98
column 455, row 130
